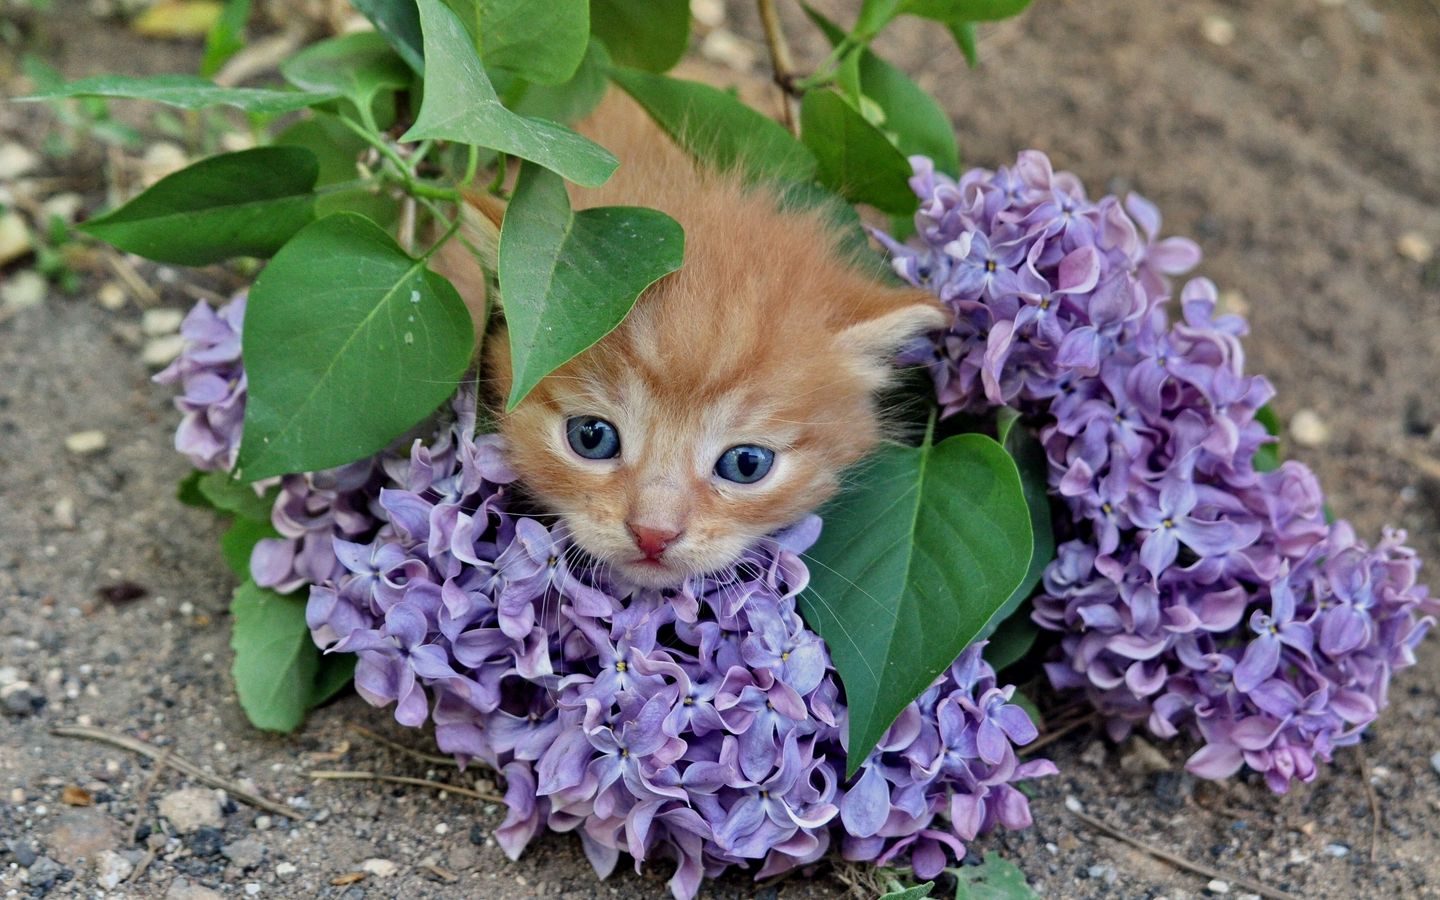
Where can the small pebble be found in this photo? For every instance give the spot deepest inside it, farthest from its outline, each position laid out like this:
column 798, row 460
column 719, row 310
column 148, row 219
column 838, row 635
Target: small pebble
column 1339, row 851
column 17, row 699
column 111, row 295
column 252, row 888
column 16, row 160
column 206, row 842
column 84, row 443
column 442, row 828
column 23, row 290
column 380, row 868
column 262, row 823
column 160, row 322
column 111, row 868
column 285, row 870
column 15, row 239
column 24, row 852
column 161, row 351
column 1218, row 30
column 726, row 48
column 1073, row 804
column 63, row 206
column 1308, row 429
column 710, row 13
column 64, row 513
column 1415, row 247
column 1216, row 886
column 192, row 809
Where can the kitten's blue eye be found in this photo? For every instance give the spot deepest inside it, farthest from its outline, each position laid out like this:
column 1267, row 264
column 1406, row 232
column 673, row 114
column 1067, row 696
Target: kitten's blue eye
column 592, row 437
column 745, row 464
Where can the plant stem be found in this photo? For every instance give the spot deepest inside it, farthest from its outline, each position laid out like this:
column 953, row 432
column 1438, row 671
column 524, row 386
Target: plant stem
column 780, row 60
column 472, row 162
column 444, row 238
column 497, row 184
column 413, row 185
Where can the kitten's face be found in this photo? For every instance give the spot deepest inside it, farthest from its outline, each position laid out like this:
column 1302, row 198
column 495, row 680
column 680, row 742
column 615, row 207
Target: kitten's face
column 711, row 417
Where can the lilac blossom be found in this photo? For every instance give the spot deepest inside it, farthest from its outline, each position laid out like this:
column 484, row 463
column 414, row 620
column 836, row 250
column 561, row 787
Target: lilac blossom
column 211, row 379
column 1193, row 593
column 703, row 727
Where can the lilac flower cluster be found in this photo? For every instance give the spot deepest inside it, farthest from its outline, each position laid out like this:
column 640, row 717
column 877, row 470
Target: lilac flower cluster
column 212, row 385
column 702, row 725
column 1197, row 592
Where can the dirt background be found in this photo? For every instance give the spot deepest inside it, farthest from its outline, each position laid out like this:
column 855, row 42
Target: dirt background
column 1299, row 143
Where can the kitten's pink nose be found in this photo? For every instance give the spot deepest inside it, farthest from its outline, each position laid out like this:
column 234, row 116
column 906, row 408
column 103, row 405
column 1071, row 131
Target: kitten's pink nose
column 652, row 541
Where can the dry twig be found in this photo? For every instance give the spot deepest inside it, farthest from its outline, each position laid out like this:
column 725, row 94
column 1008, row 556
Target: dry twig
column 401, row 748
column 1374, row 803
column 337, row 775
column 781, row 62
column 1051, row 737
column 1181, row 862
column 174, row 761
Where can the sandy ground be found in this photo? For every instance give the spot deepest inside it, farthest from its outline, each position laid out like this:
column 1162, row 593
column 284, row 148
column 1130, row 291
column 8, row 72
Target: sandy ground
column 1297, row 142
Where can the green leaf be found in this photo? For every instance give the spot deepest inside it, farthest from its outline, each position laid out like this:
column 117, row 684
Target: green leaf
column 398, row 21
column 957, row 11
column 540, row 42
column 460, row 105
column 355, row 66
column 853, row 157
column 918, row 892
column 1034, row 468
column 572, row 100
column 643, row 34
column 1012, row 640
column 874, row 16
column 916, row 120
column 562, row 288
column 240, row 539
column 348, row 342
column 716, row 128
column 226, row 494
column 237, row 204
column 226, row 36
column 1269, row 456
column 994, row 879
column 337, row 149
column 910, row 565
column 276, row 662
column 337, row 671
column 186, row 92
column 964, row 35
column 188, row 491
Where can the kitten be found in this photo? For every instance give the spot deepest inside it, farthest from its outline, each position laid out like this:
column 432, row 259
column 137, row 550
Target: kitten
column 728, row 403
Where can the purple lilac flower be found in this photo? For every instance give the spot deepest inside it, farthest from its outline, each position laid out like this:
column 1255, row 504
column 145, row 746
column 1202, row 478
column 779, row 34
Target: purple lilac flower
column 1195, row 593
column 212, row 385
column 702, row 726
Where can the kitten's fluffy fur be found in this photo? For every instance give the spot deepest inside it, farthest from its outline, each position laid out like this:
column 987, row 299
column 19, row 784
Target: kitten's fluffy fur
column 765, row 336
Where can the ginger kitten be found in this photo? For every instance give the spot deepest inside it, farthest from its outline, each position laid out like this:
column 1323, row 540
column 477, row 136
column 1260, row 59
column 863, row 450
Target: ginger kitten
column 728, row 403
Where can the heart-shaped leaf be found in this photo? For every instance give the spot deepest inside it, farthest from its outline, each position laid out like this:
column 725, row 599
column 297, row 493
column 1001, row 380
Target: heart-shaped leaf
column 540, row 42
column 643, row 34
column 912, row 562
column 461, row 105
column 716, row 128
column 1034, row 468
column 348, row 342
column 569, row 101
column 853, row 157
column 562, row 288
column 917, row 122
column 276, row 662
column 398, row 21
column 954, row 12
column 186, row 92
column 247, row 203
column 355, row 66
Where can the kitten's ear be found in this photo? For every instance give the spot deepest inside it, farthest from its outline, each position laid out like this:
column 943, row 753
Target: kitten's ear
column 887, row 319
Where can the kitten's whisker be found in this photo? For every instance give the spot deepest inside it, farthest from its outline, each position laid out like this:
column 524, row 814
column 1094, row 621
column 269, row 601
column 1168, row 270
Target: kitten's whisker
column 845, row 631
column 890, row 613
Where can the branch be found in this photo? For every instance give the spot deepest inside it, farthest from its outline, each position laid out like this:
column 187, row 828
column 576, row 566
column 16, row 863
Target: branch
column 781, row 62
